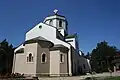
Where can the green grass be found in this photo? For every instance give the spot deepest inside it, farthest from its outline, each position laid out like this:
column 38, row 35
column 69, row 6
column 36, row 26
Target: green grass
column 113, row 78
column 101, row 78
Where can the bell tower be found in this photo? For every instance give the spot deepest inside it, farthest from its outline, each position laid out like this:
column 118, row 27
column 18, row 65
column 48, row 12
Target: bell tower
column 57, row 21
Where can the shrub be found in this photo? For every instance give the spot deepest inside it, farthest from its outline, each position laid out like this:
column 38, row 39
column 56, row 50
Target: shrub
column 12, row 75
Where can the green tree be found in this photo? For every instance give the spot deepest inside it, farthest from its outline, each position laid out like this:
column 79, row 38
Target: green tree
column 6, row 57
column 102, row 56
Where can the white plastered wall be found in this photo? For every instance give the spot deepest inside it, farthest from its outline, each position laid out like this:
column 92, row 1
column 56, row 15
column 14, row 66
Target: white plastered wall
column 19, row 63
column 48, row 33
column 54, row 63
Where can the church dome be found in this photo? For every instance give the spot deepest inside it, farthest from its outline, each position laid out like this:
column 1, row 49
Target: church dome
column 50, row 18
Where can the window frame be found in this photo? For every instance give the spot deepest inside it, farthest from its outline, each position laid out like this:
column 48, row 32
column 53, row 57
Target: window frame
column 32, row 57
column 63, row 58
column 51, row 22
column 42, row 57
column 60, row 23
column 84, row 66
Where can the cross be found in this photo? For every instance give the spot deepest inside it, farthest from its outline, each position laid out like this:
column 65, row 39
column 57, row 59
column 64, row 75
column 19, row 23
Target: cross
column 55, row 11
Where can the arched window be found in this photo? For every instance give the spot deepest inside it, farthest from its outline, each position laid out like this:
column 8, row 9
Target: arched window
column 84, row 66
column 30, row 58
column 60, row 23
column 51, row 22
column 61, row 58
column 43, row 57
column 27, row 59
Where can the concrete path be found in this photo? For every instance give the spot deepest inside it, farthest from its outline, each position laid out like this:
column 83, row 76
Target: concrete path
column 82, row 77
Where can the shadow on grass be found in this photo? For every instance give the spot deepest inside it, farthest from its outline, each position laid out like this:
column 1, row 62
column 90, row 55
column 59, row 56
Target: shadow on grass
column 113, row 78
column 102, row 78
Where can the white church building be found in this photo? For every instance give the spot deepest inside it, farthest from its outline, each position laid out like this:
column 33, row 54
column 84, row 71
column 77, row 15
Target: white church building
column 48, row 50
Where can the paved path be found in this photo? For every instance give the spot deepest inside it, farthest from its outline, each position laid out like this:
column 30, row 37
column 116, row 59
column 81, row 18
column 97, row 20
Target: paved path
column 82, row 77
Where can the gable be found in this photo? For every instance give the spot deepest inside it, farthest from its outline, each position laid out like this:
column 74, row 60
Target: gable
column 42, row 30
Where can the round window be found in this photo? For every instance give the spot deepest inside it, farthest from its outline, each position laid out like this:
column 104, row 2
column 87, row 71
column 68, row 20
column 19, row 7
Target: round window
column 40, row 26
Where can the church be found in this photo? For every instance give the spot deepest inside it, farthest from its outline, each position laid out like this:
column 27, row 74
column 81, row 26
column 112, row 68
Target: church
column 48, row 50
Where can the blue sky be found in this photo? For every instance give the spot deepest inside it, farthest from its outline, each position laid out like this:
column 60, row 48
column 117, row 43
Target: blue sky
column 93, row 20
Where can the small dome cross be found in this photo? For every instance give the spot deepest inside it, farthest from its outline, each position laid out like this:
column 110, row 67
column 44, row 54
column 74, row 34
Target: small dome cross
column 55, row 11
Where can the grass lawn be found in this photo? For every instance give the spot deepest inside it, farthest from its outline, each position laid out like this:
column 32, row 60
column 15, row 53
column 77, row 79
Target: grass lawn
column 113, row 78
column 101, row 78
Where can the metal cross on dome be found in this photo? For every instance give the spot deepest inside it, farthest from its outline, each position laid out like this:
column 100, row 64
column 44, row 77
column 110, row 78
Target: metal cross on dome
column 55, row 11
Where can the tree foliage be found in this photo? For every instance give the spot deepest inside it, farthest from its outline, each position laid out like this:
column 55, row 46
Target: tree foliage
column 102, row 56
column 6, row 57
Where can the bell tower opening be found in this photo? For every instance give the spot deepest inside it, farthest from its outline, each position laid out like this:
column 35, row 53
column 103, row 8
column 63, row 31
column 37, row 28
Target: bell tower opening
column 51, row 22
column 60, row 23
